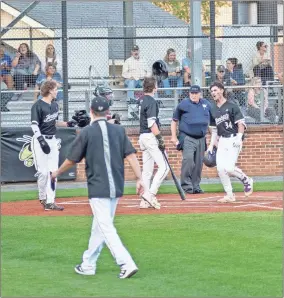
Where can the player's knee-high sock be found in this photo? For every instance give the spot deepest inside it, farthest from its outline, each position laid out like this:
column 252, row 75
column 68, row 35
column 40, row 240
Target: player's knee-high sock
column 238, row 173
column 226, row 182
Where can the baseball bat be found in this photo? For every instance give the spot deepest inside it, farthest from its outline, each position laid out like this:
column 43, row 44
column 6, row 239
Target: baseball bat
column 178, row 186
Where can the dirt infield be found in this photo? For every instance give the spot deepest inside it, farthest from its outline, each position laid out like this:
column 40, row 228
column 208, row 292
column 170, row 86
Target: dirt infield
column 171, row 204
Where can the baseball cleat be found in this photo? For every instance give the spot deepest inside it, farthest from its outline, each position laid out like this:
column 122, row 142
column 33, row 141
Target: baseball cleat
column 151, row 200
column 78, row 269
column 43, row 203
column 248, row 186
column 144, row 205
column 127, row 272
column 53, row 206
column 227, row 199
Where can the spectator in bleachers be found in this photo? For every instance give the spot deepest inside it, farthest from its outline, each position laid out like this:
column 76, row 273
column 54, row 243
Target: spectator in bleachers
column 49, row 74
column 26, row 67
column 51, row 57
column 234, row 76
column 174, row 72
column 186, row 69
column 133, row 71
column 5, row 68
column 220, row 74
column 254, row 102
column 261, row 63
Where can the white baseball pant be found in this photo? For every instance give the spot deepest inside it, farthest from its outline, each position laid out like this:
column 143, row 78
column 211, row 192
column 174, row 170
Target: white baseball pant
column 226, row 159
column 44, row 164
column 104, row 232
column 152, row 154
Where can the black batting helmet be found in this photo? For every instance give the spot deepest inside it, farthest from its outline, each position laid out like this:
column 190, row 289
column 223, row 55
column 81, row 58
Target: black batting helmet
column 104, row 91
column 160, row 70
column 210, row 158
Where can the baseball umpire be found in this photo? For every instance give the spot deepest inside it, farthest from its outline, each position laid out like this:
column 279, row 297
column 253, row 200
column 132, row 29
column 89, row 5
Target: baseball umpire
column 152, row 144
column 44, row 115
column 104, row 147
column 193, row 115
column 228, row 125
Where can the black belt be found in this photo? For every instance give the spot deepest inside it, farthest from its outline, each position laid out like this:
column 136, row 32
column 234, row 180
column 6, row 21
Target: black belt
column 196, row 137
column 229, row 136
column 49, row 137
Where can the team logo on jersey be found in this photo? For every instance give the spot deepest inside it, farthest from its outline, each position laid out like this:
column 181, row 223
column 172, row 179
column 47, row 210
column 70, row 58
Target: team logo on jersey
column 26, row 154
column 51, row 117
column 204, row 106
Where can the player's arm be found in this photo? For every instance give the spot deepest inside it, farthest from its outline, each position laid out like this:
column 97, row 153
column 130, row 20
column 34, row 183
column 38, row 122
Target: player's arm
column 240, row 121
column 35, row 120
column 151, row 121
column 214, row 133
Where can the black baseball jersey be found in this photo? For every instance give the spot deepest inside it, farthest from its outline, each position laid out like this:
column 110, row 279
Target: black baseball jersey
column 104, row 147
column 45, row 116
column 226, row 118
column 149, row 109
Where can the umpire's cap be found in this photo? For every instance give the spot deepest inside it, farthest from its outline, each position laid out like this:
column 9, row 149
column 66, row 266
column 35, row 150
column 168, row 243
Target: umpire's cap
column 160, row 70
column 210, row 158
column 99, row 104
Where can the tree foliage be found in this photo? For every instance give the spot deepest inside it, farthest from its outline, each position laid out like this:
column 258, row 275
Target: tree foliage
column 181, row 8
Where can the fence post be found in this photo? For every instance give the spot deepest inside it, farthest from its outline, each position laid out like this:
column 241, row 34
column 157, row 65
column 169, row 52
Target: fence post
column 176, row 97
column 64, row 60
column 261, row 105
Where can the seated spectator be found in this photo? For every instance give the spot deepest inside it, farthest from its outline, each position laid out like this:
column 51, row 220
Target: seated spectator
column 133, row 71
column 50, row 74
column 5, row 68
column 261, row 63
column 234, row 76
column 186, row 69
column 51, row 57
column 254, row 102
column 26, row 67
column 174, row 78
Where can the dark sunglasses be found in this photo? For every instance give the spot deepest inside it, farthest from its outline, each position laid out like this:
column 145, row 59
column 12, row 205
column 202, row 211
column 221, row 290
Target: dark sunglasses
column 221, row 71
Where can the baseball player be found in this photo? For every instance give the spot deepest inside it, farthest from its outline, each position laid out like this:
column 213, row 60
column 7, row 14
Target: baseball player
column 104, row 147
column 44, row 115
column 228, row 125
column 151, row 143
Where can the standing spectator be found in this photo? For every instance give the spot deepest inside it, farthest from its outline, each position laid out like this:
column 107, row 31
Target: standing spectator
column 234, row 76
column 104, row 160
column 49, row 74
column 152, row 144
column 186, row 68
column 26, row 66
column 51, row 57
column 5, row 67
column 261, row 63
column 174, row 78
column 134, row 70
column 254, row 102
column 193, row 115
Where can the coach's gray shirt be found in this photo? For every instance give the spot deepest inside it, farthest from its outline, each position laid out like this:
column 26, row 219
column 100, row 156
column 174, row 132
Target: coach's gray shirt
column 104, row 147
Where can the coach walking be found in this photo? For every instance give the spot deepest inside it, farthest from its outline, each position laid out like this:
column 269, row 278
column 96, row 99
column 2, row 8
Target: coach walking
column 104, row 147
column 193, row 116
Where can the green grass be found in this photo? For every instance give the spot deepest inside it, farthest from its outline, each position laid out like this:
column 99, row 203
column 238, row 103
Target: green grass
column 221, row 254
column 165, row 189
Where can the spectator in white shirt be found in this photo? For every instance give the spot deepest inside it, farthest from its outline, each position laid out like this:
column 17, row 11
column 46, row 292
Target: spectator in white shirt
column 51, row 57
column 134, row 70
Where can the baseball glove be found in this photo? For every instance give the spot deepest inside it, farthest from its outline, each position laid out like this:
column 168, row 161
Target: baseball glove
column 116, row 118
column 82, row 118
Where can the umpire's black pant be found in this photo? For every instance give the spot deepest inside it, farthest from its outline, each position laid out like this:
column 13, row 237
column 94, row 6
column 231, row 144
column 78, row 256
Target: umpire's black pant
column 192, row 163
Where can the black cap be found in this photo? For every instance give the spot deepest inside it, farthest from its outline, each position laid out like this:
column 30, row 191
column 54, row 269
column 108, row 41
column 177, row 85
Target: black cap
column 99, row 104
column 194, row 89
column 135, row 48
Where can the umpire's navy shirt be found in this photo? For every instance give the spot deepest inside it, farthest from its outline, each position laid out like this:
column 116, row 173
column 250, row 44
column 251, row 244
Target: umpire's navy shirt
column 193, row 117
column 104, row 147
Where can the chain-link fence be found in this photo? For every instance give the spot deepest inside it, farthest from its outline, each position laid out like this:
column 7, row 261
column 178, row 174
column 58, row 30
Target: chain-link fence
column 201, row 41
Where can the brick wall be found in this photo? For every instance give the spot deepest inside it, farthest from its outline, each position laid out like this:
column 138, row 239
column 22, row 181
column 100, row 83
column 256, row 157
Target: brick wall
column 262, row 154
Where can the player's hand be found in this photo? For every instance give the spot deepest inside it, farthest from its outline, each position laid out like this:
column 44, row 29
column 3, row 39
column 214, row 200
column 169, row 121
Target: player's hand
column 210, row 148
column 161, row 143
column 140, row 188
column 44, row 145
column 238, row 143
column 71, row 123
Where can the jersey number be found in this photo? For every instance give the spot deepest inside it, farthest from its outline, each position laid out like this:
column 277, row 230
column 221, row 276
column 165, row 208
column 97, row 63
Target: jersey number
column 228, row 124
